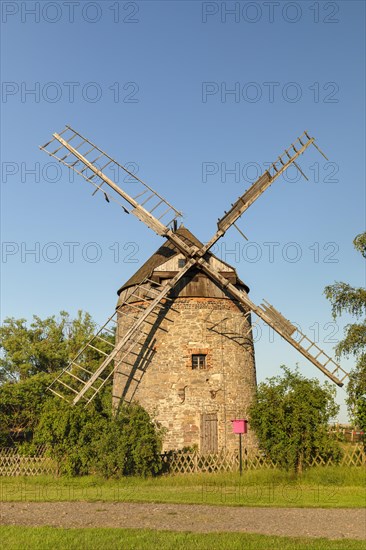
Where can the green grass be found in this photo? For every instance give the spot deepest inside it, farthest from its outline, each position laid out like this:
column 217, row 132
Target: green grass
column 329, row 487
column 49, row 538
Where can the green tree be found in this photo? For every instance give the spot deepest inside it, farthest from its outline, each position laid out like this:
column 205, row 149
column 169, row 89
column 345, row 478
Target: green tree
column 291, row 416
column 82, row 440
column 31, row 356
column 45, row 346
column 352, row 300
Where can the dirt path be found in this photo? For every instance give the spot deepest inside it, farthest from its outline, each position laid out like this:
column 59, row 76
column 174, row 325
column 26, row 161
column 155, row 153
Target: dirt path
column 306, row 522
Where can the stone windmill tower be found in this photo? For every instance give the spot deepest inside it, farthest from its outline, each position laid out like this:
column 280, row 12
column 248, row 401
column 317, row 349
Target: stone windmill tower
column 200, row 372
column 183, row 344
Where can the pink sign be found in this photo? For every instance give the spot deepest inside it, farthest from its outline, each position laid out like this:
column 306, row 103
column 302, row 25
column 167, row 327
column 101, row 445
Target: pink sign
column 240, row 426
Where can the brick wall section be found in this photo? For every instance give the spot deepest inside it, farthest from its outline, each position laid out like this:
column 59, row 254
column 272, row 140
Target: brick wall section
column 177, row 395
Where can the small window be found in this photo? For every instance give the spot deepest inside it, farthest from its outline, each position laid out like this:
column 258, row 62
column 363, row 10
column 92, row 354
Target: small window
column 181, row 262
column 199, row 361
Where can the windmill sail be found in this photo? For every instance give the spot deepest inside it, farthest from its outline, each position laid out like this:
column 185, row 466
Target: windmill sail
column 276, row 169
column 284, row 328
column 91, row 162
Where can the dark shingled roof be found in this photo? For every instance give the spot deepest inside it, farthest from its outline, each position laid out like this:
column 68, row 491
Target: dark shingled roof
column 166, row 251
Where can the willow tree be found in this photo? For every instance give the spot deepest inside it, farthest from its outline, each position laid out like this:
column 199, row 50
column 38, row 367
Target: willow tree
column 352, row 300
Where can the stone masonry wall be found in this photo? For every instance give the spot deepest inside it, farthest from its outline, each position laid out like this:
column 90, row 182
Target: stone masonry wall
column 177, row 395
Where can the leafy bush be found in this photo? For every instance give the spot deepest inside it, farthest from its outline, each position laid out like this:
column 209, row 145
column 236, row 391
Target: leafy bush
column 91, row 440
column 21, row 405
column 291, row 417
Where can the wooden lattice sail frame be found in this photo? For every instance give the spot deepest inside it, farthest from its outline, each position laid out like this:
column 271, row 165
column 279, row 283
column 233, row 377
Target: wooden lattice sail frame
column 76, row 152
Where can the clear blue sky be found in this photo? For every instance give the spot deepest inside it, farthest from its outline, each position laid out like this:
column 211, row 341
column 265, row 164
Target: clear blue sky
column 150, row 83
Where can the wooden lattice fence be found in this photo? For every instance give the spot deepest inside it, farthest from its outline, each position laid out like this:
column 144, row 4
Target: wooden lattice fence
column 353, row 456
column 13, row 463
column 192, row 462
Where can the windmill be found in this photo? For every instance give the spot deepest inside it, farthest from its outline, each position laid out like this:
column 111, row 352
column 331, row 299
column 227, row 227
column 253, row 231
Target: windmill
column 167, row 343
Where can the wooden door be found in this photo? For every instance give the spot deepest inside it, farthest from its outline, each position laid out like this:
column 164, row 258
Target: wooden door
column 209, row 433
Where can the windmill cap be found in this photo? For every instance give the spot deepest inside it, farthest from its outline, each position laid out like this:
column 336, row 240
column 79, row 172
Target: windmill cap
column 167, row 251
